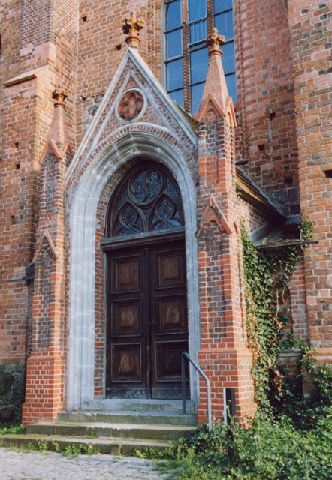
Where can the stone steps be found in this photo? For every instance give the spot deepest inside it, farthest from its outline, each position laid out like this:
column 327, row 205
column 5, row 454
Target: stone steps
column 120, row 427
column 129, row 418
column 113, row 446
column 109, row 430
column 147, row 406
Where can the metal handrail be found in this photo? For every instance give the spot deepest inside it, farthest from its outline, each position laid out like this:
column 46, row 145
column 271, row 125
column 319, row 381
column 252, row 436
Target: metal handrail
column 186, row 356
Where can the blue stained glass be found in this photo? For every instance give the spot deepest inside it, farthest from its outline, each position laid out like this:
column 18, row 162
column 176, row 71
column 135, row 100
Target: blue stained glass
column 196, row 97
column 174, row 74
column 225, row 25
column 199, row 65
column 173, row 15
column 178, row 97
column 222, row 5
column 197, row 9
column 228, row 58
column 231, row 84
column 174, row 44
column 198, row 31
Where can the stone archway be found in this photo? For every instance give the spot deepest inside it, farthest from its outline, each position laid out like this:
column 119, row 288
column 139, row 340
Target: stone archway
column 82, row 222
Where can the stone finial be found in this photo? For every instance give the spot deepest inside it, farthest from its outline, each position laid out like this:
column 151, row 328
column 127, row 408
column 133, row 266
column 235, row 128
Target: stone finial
column 58, row 129
column 214, row 42
column 59, row 97
column 215, row 93
column 132, row 27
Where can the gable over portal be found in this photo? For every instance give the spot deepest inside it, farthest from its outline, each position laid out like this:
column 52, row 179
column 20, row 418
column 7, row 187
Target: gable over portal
column 135, row 103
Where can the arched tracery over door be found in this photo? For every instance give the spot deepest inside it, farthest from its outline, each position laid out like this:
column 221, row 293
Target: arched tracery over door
column 146, row 291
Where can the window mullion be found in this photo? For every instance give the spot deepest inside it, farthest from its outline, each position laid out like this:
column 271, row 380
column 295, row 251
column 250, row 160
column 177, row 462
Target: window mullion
column 186, row 58
column 210, row 15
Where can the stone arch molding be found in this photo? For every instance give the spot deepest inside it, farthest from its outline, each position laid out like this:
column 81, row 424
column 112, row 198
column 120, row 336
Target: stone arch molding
column 83, row 199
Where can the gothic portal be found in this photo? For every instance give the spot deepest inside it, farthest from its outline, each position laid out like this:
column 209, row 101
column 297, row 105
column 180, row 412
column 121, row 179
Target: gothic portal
column 129, row 166
column 146, row 294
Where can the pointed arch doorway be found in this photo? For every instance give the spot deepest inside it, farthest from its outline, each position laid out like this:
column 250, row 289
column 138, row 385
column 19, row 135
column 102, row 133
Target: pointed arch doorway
column 146, row 291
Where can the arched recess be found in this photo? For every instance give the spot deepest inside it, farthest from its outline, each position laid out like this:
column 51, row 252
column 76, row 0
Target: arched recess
column 146, row 286
column 82, row 226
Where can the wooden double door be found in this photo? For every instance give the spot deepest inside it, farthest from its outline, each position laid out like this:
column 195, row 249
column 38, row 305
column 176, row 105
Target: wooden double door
column 147, row 320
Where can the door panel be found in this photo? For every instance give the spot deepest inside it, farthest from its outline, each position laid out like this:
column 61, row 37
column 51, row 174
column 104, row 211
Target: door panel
column 147, row 321
column 127, row 274
column 168, row 359
column 169, row 332
column 127, row 335
column 170, row 269
column 126, row 317
column 126, row 363
column 172, row 314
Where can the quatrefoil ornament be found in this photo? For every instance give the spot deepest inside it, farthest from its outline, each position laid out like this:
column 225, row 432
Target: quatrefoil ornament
column 131, row 105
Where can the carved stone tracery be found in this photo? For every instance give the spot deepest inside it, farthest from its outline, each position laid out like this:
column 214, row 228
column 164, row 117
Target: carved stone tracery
column 149, row 200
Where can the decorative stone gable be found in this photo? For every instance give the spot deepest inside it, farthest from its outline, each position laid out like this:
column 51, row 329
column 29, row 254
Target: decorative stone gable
column 135, row 102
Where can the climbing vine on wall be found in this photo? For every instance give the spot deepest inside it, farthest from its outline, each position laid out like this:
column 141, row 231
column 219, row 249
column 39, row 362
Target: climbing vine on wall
column 267, row 274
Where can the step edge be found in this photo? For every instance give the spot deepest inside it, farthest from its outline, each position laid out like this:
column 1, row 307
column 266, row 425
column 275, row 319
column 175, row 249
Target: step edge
column 90, row 441
column 117, row 426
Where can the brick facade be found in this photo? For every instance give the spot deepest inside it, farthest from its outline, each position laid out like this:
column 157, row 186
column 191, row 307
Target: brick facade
column 266, row 99
column 280, row 139
column 311, row 53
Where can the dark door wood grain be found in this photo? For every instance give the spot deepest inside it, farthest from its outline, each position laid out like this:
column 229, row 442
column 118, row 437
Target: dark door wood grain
column 127, row 329
column 169, row 326
column 147, row 320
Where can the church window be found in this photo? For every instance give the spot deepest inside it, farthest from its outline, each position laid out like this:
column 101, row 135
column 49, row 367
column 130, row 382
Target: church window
column 186, row 57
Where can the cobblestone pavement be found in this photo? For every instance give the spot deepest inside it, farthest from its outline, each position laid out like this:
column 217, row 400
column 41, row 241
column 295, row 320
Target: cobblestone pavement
column 16, row 465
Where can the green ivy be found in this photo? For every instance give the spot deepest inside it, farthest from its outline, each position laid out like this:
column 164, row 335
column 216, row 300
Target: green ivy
column 267, row 274
column 272, row 448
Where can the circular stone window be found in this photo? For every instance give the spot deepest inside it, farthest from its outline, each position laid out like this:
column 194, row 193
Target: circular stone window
column 131, row 105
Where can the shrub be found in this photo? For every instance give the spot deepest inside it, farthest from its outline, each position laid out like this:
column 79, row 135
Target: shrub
column 270, row 449
column 306, row 412
column 292, row 443
column 11, row 392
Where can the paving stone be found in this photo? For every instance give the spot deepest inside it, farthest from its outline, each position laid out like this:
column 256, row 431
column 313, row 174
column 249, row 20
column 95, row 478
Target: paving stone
column 17, row 465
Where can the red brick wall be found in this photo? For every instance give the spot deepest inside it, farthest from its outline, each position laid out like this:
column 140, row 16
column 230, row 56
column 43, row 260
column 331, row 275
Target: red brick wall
column 26, row 110
column 13, row 293
column 17, row 216
column 10, row 15
column 298, row 307
column 266, row 98
column 102, row 45
column 45, row 39
column 311, row 52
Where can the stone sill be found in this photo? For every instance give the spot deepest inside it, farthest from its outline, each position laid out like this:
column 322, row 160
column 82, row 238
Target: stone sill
column 288, row 354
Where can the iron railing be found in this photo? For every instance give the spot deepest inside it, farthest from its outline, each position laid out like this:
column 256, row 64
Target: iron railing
column 186, row 356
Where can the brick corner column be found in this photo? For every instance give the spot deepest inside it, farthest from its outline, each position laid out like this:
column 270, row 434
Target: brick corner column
column 45, row 378
column 224, row 354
